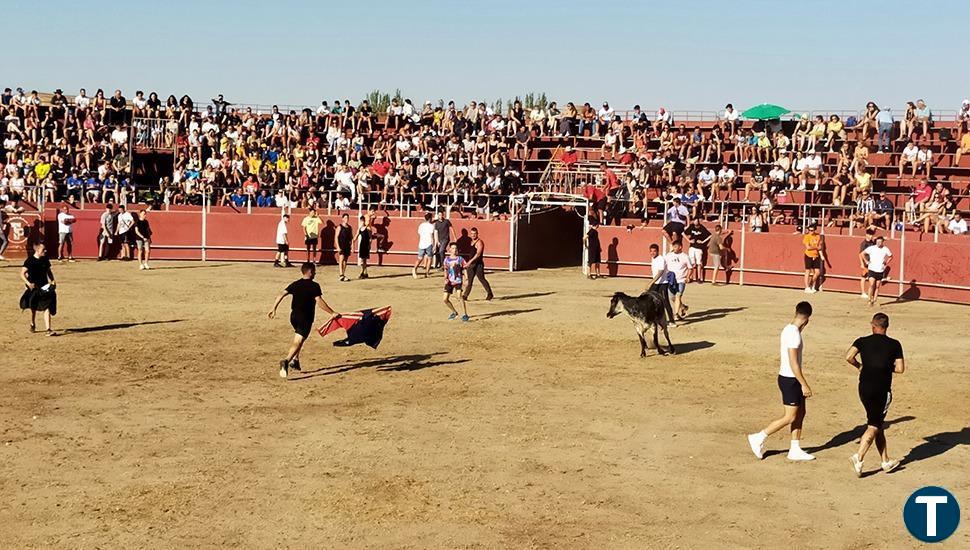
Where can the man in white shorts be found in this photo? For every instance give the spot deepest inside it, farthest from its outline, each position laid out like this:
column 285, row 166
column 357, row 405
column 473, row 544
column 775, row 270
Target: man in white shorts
column 876, row 258
column 699, row 237
column 425, row 247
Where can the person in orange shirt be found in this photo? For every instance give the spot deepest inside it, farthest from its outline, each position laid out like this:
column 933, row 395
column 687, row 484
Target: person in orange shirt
column 813, row 258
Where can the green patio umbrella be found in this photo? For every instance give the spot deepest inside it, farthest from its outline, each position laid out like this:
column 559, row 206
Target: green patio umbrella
column 765, row 111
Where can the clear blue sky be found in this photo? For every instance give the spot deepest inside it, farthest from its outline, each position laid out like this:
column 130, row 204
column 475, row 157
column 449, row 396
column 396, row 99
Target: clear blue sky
column 682, row 54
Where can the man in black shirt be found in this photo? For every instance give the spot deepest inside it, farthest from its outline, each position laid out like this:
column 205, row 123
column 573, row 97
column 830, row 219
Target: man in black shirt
column 699, row 236
column 881, row 357
column 306, row 295
column 39, row 294
column 443, row 233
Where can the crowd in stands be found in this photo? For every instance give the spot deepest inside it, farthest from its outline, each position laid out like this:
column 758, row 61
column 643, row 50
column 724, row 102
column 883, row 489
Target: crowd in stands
column 341, row 155
column 654, row 160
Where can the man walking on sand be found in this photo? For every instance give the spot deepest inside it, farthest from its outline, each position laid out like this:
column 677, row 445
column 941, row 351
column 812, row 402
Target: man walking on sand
column 882, row 356
column 454, row 270
column 794, row 388
column 311, row 233
column 282, row 243
column 306, row 296
column 876, row 258
column 425, row 247
column 444, row 234
column 476, row 266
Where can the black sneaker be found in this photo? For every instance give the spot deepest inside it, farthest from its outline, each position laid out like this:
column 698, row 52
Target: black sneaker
column 284, row 368
column 277, row 264
column 295, row 365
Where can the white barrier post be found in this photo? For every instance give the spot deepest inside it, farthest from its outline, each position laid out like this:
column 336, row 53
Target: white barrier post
column 744, row 230
column 205, row 215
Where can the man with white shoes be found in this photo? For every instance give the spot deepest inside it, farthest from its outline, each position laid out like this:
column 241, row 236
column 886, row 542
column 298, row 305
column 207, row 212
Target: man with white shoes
column 813, row 258
column 881, row 357
column 794, row 389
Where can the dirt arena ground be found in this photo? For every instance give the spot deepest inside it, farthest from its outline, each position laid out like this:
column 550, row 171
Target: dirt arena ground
column 157, row 419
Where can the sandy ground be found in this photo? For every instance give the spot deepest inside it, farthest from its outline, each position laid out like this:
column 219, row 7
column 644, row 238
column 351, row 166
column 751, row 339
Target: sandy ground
column 157, row 419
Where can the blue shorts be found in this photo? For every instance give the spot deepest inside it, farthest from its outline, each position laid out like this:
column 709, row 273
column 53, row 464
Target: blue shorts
column 425, row 252
column 677, row 288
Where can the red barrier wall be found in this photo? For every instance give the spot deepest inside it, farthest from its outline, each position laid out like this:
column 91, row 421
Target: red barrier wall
column 934, row 271
column 240, row 236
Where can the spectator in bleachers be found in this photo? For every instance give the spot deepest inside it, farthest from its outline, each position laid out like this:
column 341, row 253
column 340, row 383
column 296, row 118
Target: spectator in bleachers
column 885, row 121
column 957, row 225
column 908, row 125
column 964, row 145
column 869, row 121
column 908, row 158
column 923, row 118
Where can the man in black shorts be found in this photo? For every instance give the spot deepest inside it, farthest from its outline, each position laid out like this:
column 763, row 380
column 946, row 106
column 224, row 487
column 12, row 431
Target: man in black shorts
column 306, row 295
column 794, row 388
column 344, row 239
column 881, row 357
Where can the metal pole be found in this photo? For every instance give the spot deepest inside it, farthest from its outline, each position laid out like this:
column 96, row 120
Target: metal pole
column 513, row 224
column 902, row 259
column 744, row 230
column 205, row 215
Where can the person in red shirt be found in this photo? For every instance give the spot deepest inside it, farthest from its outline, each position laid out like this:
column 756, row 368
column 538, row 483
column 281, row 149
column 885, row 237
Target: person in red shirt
column 923, row 192
column 569, row 158
column 381, row 167
column 609, row 178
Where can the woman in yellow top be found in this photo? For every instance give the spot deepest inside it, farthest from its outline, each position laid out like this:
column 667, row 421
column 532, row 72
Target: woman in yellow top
column 814, row 255
column 283, row 164
column 835, row 129
column 254, row 163
column 860, row 157
column 817, row 133
column 863, row 182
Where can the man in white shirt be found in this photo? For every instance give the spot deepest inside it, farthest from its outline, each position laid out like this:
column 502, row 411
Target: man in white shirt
column 605, row 115
column 908, row 157
column 425, row 247
column 125, row 235
column 924, row 159
column 731, row 116
column 877, row 258
column 282, row 243
column 726, row 177
column 958, row 225
column 660, row 281
column 678, row 263
column 812, row 169
column 676, row 219
column 81, row 101
column 65, row 234
column 705, row 180
column 794, row 388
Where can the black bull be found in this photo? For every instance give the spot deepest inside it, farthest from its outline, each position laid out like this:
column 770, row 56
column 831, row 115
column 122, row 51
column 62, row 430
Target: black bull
column 647, row 311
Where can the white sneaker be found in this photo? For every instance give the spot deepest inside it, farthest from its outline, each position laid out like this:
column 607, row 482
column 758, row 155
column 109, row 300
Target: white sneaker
column 141, row 266
column 799, row 455
column 890, row 465
column 856, row 465
column 757, row 444
column 864, row 296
